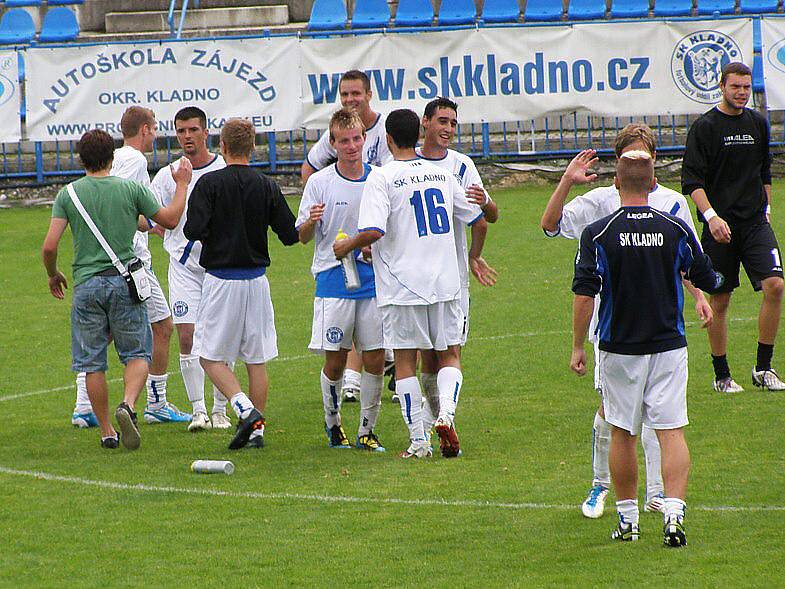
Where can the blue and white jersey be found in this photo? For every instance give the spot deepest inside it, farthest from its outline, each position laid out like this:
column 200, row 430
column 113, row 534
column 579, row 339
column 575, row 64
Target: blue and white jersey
column 415, row 205
column 179, row 247
column 465, row 172
column 341, row 197
column 375, row 150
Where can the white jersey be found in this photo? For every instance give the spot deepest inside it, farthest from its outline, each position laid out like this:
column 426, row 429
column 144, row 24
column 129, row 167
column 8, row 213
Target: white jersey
column 375, row 150
column 414, row 204
column 600, row 202
column 130, row 163
column 176, row 244
column 342, row 198
column 464, row 170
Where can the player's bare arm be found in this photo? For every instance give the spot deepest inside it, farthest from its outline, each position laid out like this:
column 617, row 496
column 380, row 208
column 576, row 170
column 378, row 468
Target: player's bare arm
column 702, row 306
column 720, row 230
column 359, row 241
column 767, row 189
column 484, row 274
column 57, row 281
column 306, row 171
column 579, row 171
column 308, row 228
column 582, row 309
column 169, row 216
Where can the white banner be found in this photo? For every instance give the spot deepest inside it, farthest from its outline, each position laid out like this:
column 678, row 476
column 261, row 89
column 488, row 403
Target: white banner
column 75, row 89
column 10, row 130
column 773, row 53
column 510, row 74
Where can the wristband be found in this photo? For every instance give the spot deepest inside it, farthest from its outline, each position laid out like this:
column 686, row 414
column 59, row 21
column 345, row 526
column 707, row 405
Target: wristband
column 709, row 214
column 768, row 209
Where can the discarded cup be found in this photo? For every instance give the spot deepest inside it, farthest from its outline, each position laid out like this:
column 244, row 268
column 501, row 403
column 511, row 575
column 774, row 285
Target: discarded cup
column 212, row 466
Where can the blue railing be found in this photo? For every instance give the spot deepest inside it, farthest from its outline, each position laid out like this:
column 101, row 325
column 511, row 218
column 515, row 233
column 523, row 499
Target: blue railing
column 183, row 11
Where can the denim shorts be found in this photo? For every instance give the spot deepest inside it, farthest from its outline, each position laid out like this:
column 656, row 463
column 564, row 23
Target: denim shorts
column 103, row 310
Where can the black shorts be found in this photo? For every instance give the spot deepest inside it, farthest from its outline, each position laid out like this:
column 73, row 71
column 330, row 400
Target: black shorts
column 754, row 246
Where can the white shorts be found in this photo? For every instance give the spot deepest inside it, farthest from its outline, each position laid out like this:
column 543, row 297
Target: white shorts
column 339, row 322
column 649, row 389
column 423, row 327
column 465, row 310
column 185, row 292
column 236, row 321
column 157, row 306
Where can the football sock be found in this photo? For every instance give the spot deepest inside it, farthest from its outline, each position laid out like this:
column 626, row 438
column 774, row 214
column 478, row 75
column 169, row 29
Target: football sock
column 721, row 369
column 331, row 399
column 82, row 400
column 389, row 356
column 351, row 379
column 219, row 401
column 242, row 405
column 449, row 381
column 628, row 511
column 651, row 452
column 765, row 352
column 193, row 378
column 257, row 432
column 370, row 401
column 156, row 391
column 600, row 451
column 673, row 506
column 430, row 408
column 408, row 390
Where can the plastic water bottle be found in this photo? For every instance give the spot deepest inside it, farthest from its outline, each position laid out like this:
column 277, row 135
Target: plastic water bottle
column 351, row 277
column 212, row 466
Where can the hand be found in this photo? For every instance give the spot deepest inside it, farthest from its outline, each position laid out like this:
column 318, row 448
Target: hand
column 159, row 231
column 183, row 173
column 578, row 361
column 366, row 252
column 579, row 169
column 342, row 247
column 484, row 274
column 719, row 229
column 56, row 285
column 316, row 213
column 705, row 314
column 476, row 195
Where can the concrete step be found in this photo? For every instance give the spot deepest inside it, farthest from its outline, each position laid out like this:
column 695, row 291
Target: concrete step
column 98, row 37
column 199, row 19
column 163, row 5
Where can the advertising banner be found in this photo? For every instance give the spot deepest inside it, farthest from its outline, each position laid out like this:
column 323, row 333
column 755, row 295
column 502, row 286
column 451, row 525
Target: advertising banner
column 10, row 98
column 773, row 53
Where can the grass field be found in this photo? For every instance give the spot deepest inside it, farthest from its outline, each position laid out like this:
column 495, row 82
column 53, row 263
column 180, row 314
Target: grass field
column 299, row 514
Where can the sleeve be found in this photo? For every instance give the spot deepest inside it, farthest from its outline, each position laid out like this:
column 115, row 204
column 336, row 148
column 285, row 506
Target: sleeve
column 199, row 211
column 696, row 265
column 586, row 280
column 322, row 153
column 58, row 208
column 765, row 170
column 471, row 175
column 161, row 189
column 375, row 204
column 462, row 209
column 578, row 214
column 140, row 172
column 683, row 213
column 281, row 217
column 311, row 196
column 146, row 202
column 694, row 167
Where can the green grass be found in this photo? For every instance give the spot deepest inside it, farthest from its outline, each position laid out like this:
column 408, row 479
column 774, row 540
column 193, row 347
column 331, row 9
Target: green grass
column 525, row 424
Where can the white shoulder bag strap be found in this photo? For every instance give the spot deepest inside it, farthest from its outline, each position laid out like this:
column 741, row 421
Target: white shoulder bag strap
column 104, row 244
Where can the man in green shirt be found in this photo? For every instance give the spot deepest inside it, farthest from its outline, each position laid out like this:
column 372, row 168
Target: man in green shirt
column 102, row 307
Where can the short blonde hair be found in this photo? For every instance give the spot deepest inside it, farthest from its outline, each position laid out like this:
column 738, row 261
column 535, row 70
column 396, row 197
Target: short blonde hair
column 134, row 118
column 238, row 136
column 633, row 133
column 345, row 119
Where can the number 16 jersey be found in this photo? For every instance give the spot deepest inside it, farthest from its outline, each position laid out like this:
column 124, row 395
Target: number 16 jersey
column 414, row 204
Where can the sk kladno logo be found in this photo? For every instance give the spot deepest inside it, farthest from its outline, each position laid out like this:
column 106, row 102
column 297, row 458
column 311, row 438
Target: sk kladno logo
column 697, row 62
column 7, row 87
column 776, row 55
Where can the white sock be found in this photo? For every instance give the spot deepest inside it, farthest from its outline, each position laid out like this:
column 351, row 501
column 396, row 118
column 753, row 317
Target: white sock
column 83, row 404
column 449, row 381
column 673, row 506
column 331, row 400
column 242, row 405
column 257, row 432
column 651, row 451
column 193, row 377
column 156, row 391
column 430, row 409
column 601, row 445
column 389, row 356
column 370, row 401
column 628, row 511
column 351, row 379
column 408, row 390
column 219, row 401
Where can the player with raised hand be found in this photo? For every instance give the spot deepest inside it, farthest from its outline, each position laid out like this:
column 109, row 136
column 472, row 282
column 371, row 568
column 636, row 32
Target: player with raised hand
column 330, row 205
column 569, row 221
column 727, row 172
column 407, row 212
column 185, row 273
column 440, row 122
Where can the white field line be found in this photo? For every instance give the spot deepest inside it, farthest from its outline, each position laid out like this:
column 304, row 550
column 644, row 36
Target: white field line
column 143, row 488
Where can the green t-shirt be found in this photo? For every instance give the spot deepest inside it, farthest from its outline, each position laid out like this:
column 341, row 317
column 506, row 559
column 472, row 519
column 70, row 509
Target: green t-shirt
column 114, row 204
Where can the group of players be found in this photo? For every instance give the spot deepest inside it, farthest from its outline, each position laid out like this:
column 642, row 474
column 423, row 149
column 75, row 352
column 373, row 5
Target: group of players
column 403, row 207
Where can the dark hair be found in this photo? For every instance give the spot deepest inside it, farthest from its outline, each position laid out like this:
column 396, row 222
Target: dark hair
column 440, row 102
column 356, row 75
column 134, row 118
column 191, row 112
column 734, row 67
column 96, row 150
column 403, row 125
column 238, row 137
